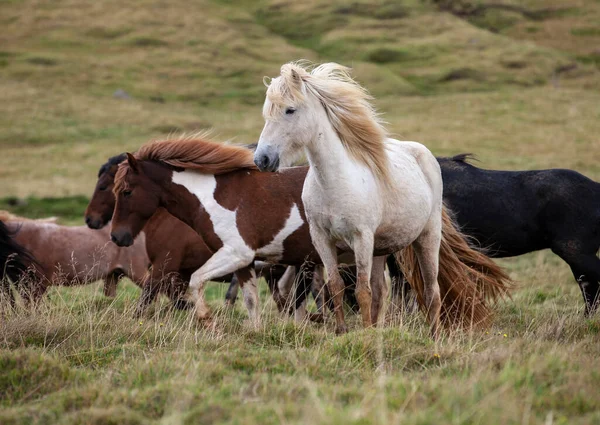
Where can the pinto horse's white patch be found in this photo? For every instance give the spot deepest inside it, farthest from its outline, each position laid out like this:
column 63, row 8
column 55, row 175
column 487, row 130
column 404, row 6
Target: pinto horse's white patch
column 203, row 186
column 274, row 250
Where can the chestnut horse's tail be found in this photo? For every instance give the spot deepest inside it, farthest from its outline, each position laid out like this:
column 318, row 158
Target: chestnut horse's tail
column 467, row 278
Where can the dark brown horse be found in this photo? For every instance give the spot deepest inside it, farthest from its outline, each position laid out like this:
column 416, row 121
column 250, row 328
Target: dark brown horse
column 175, row 250
column 241, row 214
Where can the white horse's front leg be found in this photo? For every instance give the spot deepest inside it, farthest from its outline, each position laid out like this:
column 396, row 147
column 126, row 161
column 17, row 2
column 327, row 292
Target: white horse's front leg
column 224, row 261
column 247, row 279
column 362, row 245
column 328, row 253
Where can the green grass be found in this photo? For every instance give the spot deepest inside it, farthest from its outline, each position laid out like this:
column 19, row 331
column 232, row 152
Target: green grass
column 69, row 210
column 519, row 92
column 81, row 357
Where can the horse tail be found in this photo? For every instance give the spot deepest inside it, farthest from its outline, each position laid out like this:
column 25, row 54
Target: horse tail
column 468, row 279
column 15, row 260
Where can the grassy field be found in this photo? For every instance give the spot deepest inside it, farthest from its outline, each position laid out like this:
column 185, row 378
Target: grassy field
column 520, row 90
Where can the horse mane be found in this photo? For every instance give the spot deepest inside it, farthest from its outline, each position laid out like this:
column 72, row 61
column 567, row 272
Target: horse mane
column 7, row 216
column 465, row 158
column 347, row 104
column 112, row 161
column 199, row 154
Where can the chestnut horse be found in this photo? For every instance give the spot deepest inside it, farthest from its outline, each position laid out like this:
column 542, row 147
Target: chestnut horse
column 242, row 214
column 173, row 259
column 67, row 255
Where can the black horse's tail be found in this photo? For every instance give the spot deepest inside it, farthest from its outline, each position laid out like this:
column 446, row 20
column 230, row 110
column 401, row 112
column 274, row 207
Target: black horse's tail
column 14, row 260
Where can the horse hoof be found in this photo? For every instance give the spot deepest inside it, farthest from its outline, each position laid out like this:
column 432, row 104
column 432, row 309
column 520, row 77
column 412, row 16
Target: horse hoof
column 203, row 317
column 341, row 329
column 316, row 318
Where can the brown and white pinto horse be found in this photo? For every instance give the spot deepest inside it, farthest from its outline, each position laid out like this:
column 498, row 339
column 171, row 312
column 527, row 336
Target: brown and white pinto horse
column 74, row 255
column 173, row 258
column 240, row 213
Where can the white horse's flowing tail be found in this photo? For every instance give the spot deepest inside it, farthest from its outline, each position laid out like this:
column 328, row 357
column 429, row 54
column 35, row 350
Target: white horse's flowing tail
column 467, row 278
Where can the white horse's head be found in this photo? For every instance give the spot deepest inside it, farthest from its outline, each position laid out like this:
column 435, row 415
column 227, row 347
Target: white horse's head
column 291, row 118
column 300, row 104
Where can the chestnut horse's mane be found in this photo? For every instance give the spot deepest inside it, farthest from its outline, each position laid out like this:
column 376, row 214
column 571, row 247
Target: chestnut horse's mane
column 198, row 153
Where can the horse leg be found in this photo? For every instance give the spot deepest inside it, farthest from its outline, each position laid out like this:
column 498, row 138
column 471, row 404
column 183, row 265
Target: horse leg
column 586, row 270
column 349, row 278
column 150, row 289
column 7, row 292
column 284, row 287
column 303, row 286
column 589, row 290
column 379, row 289
column 222, row 262
column 427, row 249
column 178, row 288
column 232, row 291
column 280, row 285
column 110, row 283
column 317, row 289
column 363, row 255
column 328, row 253
column 401, row 291
column 247, row 278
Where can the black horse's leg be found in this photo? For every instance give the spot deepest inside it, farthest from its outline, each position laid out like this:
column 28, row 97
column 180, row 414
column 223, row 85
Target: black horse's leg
column 349, row 277
column 586, row 270
column 589, row 281
column 317, row 288
column 303, row 286
column 232, row 291
column 401, row 290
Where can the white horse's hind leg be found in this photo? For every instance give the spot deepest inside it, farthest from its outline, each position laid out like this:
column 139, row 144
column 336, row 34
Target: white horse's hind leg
column 248, row 282
column 427, row 249
column 328, row 253
column 363, row 254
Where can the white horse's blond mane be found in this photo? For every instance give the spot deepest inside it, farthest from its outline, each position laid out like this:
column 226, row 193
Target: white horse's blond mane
column 347, row 104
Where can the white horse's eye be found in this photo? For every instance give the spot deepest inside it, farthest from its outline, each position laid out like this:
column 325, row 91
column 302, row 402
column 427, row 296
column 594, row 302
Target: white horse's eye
column 290, row 111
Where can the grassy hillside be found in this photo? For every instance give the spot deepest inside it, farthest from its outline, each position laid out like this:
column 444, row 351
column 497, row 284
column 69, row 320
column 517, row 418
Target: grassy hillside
column 516, row 97
column 82, row 81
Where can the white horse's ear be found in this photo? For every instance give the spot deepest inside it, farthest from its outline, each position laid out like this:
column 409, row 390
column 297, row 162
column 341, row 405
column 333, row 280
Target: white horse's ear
column 296, row 77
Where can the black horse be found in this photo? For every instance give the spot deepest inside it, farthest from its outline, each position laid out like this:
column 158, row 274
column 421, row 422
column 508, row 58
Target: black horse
column 511, row 213
column 14, row 261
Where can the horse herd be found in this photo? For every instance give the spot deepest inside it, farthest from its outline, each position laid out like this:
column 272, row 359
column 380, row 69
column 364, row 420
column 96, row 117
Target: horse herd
column 186, row 211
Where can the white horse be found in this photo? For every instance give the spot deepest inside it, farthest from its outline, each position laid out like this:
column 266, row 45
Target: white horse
column 364, row 191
